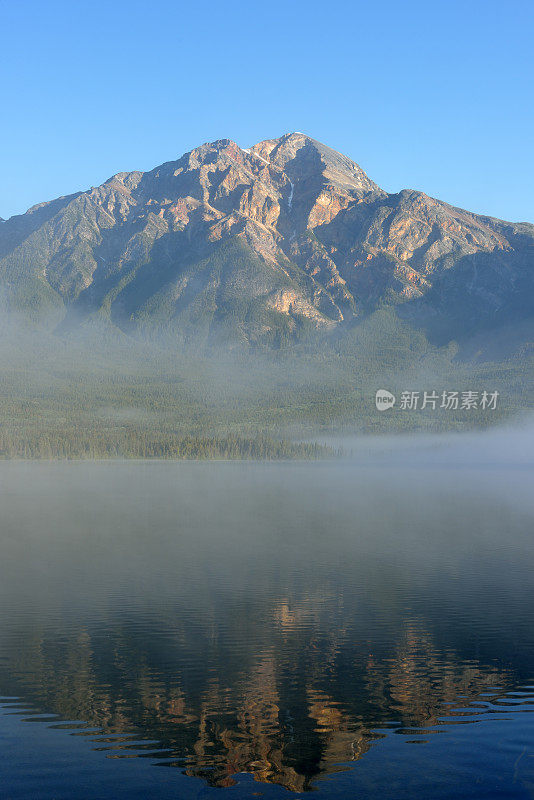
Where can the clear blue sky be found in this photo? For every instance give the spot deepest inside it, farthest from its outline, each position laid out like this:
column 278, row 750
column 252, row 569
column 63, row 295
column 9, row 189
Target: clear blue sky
column 435, row 95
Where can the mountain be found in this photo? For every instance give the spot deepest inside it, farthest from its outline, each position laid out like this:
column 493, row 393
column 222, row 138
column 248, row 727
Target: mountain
column 262, row 246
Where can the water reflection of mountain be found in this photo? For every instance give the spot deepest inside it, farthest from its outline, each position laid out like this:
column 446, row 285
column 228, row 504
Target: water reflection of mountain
column 253, row 618
column 288, row 713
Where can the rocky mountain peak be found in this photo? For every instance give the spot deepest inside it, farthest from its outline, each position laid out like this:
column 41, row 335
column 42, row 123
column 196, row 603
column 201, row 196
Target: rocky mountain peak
column 301, row 157
column 261, row 240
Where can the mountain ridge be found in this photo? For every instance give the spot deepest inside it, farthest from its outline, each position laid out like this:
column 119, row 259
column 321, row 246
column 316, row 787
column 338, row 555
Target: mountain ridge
column 256, row 246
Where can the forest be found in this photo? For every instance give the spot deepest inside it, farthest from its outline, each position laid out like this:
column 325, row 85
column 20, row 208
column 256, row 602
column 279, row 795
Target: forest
column 109, row 396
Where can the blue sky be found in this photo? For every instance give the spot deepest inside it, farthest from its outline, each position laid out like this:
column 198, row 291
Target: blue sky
column 434, row 95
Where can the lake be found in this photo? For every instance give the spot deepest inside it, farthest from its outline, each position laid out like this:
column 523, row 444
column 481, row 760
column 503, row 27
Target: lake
column 360, row 628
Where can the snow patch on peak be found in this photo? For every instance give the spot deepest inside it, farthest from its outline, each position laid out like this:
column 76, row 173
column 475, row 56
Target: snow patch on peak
column 260, row 157
column 253, row 153
column 290, row 198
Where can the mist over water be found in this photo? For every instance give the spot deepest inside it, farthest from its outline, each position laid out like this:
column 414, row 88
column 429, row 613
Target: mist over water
column 349, row 626
column 508, row 445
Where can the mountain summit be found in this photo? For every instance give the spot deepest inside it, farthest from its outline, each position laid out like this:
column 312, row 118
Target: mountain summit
column 260, row 244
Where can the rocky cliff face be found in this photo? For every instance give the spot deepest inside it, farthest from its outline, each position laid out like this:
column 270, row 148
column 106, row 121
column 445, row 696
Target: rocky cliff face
column 255, row 245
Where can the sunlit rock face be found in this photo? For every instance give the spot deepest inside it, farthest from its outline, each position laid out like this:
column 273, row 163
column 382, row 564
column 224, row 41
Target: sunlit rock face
column 258, row 245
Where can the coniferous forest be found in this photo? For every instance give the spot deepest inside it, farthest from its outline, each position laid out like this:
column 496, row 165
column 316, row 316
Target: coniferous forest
column 103, row 396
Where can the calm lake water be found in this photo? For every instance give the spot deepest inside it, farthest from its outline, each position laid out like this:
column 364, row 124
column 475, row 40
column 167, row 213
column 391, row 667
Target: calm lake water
column 363, row 630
